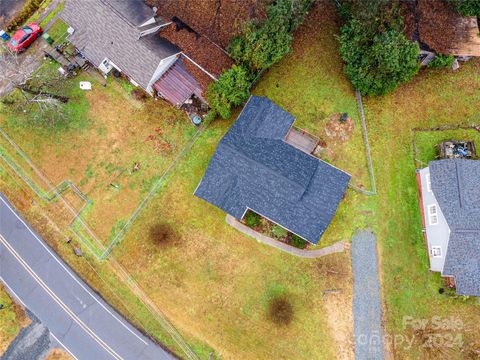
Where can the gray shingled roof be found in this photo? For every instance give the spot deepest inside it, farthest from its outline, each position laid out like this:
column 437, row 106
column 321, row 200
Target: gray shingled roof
column 101, row 32
column 134, row 11
column 456, row 185
column 254, row 168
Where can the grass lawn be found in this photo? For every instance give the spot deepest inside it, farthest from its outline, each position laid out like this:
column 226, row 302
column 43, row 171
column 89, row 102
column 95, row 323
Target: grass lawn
column 215, row 282
column 12, row 319
column 108, row 133
column 217, row 285
column 58, row 31
column 434, row 98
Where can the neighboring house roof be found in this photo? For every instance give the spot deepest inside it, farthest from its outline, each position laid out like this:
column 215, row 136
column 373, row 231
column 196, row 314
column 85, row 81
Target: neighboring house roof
column 219, row 20
column 177, row 84
column 439, row 26
column 199, row 48
column 134, row 11
column 456, row 185
column 100, row 32
column 253, row 167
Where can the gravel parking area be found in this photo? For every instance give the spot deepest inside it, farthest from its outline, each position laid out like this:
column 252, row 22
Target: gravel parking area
column 367, row 310
column 32, row 343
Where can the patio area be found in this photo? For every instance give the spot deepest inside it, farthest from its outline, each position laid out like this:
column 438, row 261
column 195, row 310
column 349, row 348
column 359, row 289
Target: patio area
column 301, row 140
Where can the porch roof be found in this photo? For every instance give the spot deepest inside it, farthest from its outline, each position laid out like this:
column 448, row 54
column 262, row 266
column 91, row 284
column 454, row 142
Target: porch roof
column 177, row 84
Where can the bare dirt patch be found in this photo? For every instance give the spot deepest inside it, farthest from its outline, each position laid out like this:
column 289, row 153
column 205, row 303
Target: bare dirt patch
column 337, row 300
column 57, row 354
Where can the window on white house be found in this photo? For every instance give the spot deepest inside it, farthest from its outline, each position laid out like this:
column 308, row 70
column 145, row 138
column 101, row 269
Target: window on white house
column 429, row 183
column 436, row 251
column 432, row 215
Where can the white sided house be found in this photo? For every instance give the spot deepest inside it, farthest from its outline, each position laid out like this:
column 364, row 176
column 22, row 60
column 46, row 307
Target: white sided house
column 450, row 206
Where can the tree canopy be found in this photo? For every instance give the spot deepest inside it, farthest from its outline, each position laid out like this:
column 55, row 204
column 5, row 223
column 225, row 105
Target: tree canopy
column 466, row 7
column 231, row 89
column 377, row 55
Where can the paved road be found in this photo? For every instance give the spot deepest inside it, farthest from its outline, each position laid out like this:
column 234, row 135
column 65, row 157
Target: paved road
column 367, row 309
column 79, row 320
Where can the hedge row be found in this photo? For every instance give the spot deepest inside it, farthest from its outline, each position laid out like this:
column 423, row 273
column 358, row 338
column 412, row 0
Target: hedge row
column 261, row 44
column 27, row 10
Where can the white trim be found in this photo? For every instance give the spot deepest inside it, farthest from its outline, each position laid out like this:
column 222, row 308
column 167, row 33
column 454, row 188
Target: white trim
column 432, row 216
column 149, row 21
column 158, row 74
column 201, row 68
column 153, row 30
column 428, row 182
column 436, row 251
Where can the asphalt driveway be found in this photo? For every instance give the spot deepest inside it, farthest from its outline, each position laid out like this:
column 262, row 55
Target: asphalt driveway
column 78, row 320
column 367, row 309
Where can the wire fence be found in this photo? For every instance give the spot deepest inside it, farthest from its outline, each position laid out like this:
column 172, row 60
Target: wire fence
column 77, row 225
column 368, row 151
column 156, row 186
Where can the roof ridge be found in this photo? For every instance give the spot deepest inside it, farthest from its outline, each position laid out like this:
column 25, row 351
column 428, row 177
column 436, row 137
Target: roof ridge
column 270, row 170
column 458, row 184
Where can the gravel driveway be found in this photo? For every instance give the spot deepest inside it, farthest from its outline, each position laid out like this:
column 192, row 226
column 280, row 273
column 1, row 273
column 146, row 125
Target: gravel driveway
column 367, row 309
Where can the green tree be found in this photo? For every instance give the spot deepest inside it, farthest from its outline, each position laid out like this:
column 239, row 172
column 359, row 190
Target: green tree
column 441, row 61
column 264, row 43
column 466, row 7
column 376, row 65
column 231, row 89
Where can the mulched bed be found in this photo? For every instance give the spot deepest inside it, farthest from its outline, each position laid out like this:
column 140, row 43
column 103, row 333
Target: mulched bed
column 335, row 134
column 338, row 132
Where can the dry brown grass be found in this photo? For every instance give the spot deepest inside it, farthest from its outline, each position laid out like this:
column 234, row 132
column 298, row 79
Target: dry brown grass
column 12, row 319
column 58, row 354
column 105, row 152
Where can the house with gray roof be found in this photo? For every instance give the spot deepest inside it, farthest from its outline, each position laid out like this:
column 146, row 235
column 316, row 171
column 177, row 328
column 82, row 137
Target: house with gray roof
column 124, row 35
column 254, row 167
column 450, row 204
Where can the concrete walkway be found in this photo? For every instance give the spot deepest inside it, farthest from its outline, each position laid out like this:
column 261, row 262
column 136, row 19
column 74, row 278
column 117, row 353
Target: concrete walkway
column 335, row 248
column 367, row 308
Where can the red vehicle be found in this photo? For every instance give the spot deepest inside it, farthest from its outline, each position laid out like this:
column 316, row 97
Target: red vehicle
column 24, row 37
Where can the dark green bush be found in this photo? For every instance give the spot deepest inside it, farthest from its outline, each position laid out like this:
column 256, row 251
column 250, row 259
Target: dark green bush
column 252, row 219
column 264, row 43
column 26, row 11
column 466, row 7
column 378, row 57
column 377, row 64
column 298, row 242
column 231, row 89
column 441, row 61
